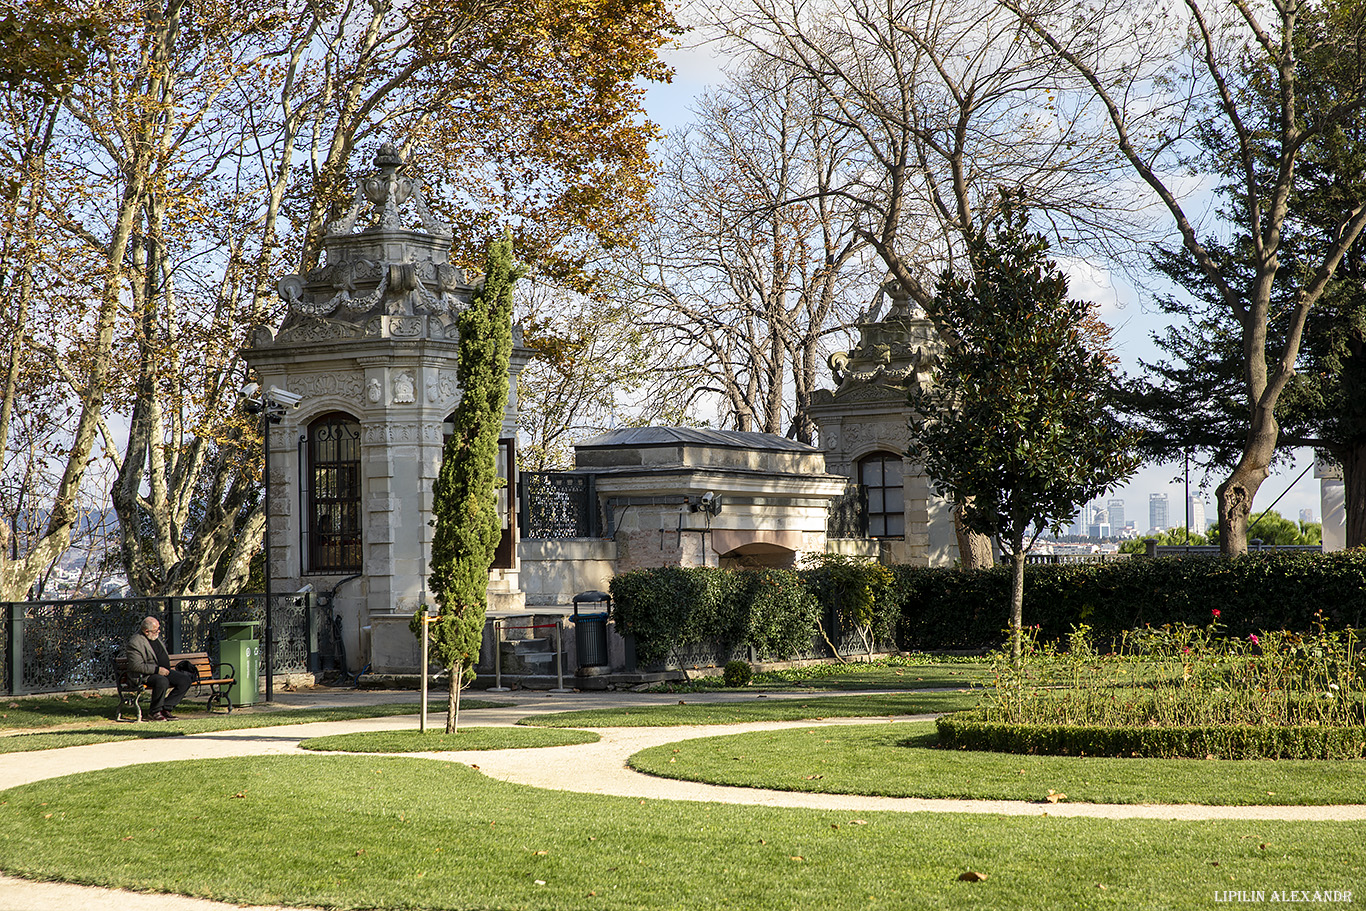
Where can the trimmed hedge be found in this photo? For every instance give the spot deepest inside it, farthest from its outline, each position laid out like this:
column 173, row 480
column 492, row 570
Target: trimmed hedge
column 774, row 611
column 765, row 609
column 957, row 609
column 967, row 731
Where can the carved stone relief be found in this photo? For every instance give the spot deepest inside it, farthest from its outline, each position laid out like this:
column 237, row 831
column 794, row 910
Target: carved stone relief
column 393, row 433
column 406, row 326
column 346, row 386
column 404, row 388
column 442, row 386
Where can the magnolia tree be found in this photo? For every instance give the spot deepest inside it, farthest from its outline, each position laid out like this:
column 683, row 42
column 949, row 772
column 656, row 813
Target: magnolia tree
column 1018, row 426
column 466, row 495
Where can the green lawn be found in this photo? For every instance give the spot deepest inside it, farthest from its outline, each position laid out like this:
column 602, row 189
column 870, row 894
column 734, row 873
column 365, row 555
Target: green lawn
column 108, row 731
column 899, row 760
column 399, row 833
column 430, row 741
column 762, row 709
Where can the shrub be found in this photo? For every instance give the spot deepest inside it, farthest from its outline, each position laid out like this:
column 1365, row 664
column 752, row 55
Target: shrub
column 763, row 609
column 737, row 673
column 854, row 594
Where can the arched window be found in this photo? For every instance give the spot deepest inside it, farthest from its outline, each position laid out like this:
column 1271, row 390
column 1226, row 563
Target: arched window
column 880, row 473
column 334, row 539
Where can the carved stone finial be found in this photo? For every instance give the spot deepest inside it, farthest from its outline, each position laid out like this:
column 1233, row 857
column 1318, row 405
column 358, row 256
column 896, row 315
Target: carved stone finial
column 388, row 156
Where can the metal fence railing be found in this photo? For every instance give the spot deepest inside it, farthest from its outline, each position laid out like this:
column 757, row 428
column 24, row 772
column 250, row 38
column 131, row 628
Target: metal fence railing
column 1048, row 559
column 58, row 646
column 849, row 514
column 558, row 504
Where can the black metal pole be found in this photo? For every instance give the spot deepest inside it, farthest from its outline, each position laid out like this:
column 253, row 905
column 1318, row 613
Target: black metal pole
column 1188, row 499
column 266, row 406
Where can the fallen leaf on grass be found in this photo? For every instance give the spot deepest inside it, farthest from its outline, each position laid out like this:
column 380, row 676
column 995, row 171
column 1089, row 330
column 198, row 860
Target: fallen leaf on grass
column 540, row 882
column 797, row 857
column 813, row 777
column 972, row 876
column 1054, row 796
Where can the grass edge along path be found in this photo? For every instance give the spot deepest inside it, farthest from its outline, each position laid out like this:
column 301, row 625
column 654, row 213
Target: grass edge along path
column 803, row 708
column 115, row 732
column 900, row 760
column 508, row 737
column 365, row 832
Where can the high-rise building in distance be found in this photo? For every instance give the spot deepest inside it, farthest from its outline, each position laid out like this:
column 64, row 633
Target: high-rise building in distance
column 1307, row 515
column 1115, row 510
column 1197, row 515
column 1157, row 512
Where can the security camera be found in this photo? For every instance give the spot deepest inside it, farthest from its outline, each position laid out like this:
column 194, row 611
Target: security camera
column 250, row 390
column 284, row 397
column 707, row 498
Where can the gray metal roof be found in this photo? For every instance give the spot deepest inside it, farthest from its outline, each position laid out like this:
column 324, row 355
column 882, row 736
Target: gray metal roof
column 694, row 436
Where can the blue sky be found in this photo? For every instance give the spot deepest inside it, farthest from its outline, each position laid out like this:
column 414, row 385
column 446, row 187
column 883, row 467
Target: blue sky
column 1122, row 307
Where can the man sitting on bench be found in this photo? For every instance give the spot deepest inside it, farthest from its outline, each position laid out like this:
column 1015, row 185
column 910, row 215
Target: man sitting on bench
column 149, row 662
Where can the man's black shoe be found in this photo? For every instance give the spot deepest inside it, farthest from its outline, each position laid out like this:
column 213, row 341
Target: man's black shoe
column 167, row 716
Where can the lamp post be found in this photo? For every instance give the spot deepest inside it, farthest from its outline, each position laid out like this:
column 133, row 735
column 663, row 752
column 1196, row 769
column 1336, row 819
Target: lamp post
column 271, row 405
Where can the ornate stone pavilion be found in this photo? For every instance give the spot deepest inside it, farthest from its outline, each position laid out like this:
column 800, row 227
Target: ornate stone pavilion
column 865, row 432
column 370, row 345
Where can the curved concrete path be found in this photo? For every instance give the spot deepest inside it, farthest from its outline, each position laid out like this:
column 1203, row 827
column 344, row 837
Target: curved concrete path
column 598, row 768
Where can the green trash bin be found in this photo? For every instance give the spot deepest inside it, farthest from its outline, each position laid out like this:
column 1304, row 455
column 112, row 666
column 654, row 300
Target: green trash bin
column 240, row 648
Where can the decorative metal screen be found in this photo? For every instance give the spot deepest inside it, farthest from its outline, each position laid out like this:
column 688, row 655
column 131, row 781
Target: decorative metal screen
column 849, row 514
column 558, row 504
column 52, row 646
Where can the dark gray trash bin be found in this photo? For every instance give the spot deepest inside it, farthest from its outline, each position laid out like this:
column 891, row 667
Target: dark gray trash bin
column 590, row 628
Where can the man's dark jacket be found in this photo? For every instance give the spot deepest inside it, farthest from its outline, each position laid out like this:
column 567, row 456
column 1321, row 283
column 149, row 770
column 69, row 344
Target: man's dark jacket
column 145, row 655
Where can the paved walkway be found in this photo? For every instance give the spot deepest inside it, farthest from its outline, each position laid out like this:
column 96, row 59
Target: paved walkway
column 598, row 768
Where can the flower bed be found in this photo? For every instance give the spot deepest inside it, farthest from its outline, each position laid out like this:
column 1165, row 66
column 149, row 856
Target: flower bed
column 1176, row 691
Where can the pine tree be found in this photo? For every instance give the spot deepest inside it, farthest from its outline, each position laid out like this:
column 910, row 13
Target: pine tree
column 466, row 495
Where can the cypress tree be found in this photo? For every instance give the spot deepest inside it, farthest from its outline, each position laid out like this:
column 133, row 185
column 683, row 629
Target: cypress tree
column 466, row 495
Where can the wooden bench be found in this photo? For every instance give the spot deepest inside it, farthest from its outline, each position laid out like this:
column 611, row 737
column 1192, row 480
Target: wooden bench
column 131, row 691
